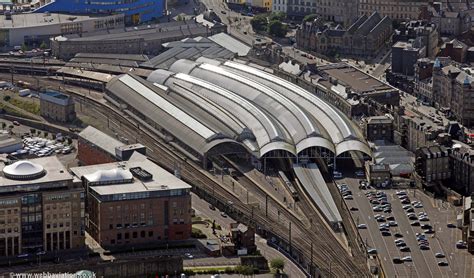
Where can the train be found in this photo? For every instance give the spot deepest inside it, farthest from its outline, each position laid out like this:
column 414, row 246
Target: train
column 288, row 185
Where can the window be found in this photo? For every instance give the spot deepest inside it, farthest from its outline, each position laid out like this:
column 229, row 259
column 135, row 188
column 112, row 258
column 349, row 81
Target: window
column 135, row 234
column 142, row 234
column 150, row 233
column 127, row 235
column 119, row 236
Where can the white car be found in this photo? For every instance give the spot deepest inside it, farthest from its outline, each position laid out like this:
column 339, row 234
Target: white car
column 188, row 255
column 407, row 259
column 362, row 226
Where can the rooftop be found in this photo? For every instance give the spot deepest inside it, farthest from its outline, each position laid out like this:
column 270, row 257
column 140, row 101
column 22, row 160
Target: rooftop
column 51, row 167
column 38, row 19
column 116, row 174
column 100, row 139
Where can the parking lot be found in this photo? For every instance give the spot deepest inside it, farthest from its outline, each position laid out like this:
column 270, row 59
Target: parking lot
column 430, row 214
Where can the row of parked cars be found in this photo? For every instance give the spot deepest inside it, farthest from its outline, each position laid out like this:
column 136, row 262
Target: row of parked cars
column 419, row 220
column 43, row 147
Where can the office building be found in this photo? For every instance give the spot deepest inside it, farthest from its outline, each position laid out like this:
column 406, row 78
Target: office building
column 57, row 106
column 135, row 11
column 135, row 202
column 41, row 208
column 419, row 33
column 404, row 57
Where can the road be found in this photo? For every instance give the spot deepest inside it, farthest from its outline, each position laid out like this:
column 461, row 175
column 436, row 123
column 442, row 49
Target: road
column 424, row 262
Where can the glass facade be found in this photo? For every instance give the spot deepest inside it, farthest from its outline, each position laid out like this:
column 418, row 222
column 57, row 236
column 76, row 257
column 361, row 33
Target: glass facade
column 31, row 223
column 136, row 11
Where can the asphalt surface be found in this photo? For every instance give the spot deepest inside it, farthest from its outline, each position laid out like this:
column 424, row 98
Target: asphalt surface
column 424, row 264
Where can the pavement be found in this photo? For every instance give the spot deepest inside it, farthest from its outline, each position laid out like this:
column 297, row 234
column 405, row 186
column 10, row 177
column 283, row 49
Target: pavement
column 424, row 262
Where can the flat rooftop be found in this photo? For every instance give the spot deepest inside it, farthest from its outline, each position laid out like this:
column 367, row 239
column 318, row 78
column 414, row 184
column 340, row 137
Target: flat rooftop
column 162, row 180
column 39, row 19
column 55, row 171
column 100, row 139
column 359, row 81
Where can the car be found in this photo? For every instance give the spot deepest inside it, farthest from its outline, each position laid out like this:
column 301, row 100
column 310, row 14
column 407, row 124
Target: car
column 23, row 256
column 406, row 206
column 372, row 251
column 410, row 209
column 362, row 226
column 377, row 208
column 374, row 202
column 429, row 231
column 439, row 255
column 385, row 225
column 424, row 218
column 426, row 226
column 387, row 210
column 461, row 244
column 412, row 217
column 405, row 201
column 451, row 225
column 407, row 259
column 398, row 235
column 386, row 233
column 400, row 244
column 381, row 219
column 415, row 223
column 443, row 263
column 391, row 218
column 405, row 249
column 397, row 260
column 354, row 209
column 418, row 205
column 16, row 123
column 400, row 193
column 348, row 197
column 223, row 214
column 337, row 175
column 211, row 207
column 424, row 247
column 188, row 255
column 384, row 229
column 223, row 12
column 392, row 223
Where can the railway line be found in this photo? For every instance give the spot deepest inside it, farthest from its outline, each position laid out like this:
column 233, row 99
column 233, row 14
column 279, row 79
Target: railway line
column 331, row 258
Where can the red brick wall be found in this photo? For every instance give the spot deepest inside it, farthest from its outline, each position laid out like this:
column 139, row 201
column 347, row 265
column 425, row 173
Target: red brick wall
column 90, row 155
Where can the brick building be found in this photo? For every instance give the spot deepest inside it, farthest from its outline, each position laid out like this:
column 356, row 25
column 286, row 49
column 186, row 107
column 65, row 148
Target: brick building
column 57, row 106
column 40, row 208
column 96, row 147
column 135, row 202
column 243, row 237
column 462, row 164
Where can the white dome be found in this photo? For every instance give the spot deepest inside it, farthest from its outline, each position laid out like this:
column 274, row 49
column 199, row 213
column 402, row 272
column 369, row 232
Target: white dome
column 109, row 175
column 23, row 170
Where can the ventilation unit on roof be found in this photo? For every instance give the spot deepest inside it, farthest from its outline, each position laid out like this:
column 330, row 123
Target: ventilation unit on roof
column 141, row 174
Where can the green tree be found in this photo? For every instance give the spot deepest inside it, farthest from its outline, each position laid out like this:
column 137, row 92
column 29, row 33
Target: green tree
column 43, row 45
column 179, row 18
column 32, row 131
column 276, row 28
column 259, row 22
column 277, row 264
column 277, row 16
column 4, row 125
column 6, row 98
column 24, row 47
column 310, row 17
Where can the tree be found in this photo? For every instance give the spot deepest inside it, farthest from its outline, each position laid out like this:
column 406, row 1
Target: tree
column 4, row 125
column 6, row 98
column 24, row 47
column 46, row 134
column 310, row 17
column 259, row 22
column 276, row 28
column 277, row 16
column 277, row 264
column 32, row 131
column 43, row 45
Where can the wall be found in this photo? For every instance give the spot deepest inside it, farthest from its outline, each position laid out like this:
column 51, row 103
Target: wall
column 88, row 154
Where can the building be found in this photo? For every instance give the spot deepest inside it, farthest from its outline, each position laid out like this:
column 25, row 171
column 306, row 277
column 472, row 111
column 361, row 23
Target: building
column 404, row 57
column 421, row 132
column 41, row 208
column 423, row 82
column 432, row 163
column 378, row 128
column 341, row 85
column 419, row 33
column 146, row 39
column 378, row 174
column 135, row 202
column 243, row 237
column 452, row 19
column 462, row 159
column 340, row 11
column 33, row 29
column 364, row 38
column 96, row 147
column 468, row 222
column 135, row 12
column 9, row 144
column 57, row 106
column 397, row 10
column 455, row 49
column 453, row 90
column 281, row 6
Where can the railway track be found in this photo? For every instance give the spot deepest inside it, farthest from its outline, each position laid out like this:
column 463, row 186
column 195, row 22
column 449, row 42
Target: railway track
column 329, row 256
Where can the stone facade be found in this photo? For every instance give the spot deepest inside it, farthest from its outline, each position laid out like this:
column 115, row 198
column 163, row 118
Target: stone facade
column 378, row 128
column 57, row 106
column 432, row 163
column 397, row 10
column 364, row 38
